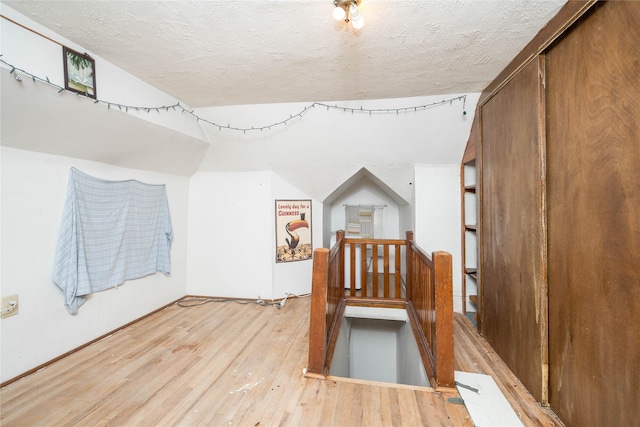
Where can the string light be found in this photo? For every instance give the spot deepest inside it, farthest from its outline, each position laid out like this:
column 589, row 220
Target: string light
column 244, row 130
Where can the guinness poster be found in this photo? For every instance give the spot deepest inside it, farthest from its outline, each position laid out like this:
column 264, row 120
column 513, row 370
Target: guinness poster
column 293, row 230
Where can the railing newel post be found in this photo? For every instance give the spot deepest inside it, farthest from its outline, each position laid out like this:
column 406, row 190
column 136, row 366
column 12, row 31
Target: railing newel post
column 318, row 316
column 443, row 267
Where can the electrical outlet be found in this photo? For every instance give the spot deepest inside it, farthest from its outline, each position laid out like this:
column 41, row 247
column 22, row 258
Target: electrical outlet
column 9, row 306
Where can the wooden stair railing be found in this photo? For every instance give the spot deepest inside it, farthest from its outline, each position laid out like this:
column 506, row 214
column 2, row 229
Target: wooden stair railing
column 327, row 304
column 430, row 309
column 428, row 301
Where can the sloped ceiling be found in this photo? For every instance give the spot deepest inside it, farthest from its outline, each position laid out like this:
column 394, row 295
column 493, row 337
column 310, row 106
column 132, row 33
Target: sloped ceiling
column 220, row 52
column 42, row 121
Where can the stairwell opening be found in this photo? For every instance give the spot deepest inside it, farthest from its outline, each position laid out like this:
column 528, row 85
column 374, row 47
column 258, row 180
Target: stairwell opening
column 377, row 344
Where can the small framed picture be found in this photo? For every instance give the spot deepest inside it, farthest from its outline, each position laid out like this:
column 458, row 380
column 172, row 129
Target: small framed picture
column 79, row 72
column 293, row 230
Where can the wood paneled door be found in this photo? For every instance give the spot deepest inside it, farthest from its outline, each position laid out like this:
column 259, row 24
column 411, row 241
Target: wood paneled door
column 593, row 106
column 512, row 238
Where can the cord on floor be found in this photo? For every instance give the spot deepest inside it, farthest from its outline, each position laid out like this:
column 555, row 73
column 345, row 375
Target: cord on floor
column 194, row 302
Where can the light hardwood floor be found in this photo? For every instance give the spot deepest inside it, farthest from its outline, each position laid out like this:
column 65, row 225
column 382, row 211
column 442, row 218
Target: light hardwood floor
column 223, row 364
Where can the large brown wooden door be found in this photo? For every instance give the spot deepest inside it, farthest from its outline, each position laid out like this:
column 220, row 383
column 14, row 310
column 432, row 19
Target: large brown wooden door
column 593, row 128
column 512, row 239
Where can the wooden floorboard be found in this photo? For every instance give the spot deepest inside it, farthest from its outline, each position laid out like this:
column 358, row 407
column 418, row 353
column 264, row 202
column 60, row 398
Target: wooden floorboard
column 228, row 364
column 474, row 354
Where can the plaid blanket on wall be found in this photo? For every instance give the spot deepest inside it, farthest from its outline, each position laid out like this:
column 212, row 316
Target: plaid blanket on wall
column 111, row 231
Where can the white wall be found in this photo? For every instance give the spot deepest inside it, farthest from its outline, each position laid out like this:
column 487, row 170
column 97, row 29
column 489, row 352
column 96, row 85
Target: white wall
column 364, row 192
column 228, row 210
column 340, row 361
column 416, row 154
column 294, row 277
column 232, row 226
column 411, row 370
column 438, row 215
column 33, row 193
column 378, row 344
column 373, row 349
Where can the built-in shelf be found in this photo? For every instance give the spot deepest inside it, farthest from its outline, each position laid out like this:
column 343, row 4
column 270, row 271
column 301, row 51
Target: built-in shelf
column 469, row 239
column 473, row 272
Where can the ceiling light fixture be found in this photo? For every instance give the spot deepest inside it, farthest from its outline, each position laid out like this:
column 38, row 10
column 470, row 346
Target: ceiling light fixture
column 347, row 10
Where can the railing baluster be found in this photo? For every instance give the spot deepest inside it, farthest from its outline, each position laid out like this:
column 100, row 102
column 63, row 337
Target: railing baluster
column 374, row 269
column 385, row 259
column 397, row 273
column 352, row 268
column 363, row 269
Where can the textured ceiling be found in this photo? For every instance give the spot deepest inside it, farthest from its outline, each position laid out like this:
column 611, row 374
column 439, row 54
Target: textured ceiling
column 212, row 53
